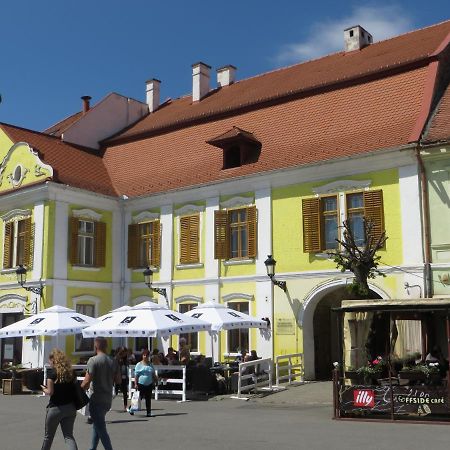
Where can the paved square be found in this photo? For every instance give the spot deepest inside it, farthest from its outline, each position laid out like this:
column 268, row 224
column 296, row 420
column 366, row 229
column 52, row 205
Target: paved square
column 299, row 418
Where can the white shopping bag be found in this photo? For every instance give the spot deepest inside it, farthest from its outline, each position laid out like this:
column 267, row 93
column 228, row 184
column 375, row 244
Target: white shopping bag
column 135, row 404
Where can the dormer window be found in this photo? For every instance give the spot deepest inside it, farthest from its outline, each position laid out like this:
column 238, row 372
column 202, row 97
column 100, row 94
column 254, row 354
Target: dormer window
column 239, row 147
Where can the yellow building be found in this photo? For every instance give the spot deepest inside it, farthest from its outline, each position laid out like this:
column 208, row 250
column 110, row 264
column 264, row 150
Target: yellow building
column 203, row 188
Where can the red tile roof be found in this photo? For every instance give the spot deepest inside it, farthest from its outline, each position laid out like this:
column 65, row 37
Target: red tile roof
column 333, row 124
column 59, row 128
column 439, row 127
column 339, row 106
column 72, row 165
column 301, row 78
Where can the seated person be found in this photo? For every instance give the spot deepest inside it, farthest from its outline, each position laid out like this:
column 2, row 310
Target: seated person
column 185, row 354
column 200, row 361
column 155, row 358
column 241, row 357
column 172, row 357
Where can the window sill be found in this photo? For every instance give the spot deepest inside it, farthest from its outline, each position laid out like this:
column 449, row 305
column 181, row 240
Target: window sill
column 153, row 269
column 7, row 271
column 231, row 355
column 84, row 352
column 238, row 262
column 189, row 266
column 87, row 268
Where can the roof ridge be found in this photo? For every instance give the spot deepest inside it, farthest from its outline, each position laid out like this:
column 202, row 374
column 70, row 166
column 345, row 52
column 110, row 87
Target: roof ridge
column 45, row 135
column 278, row 69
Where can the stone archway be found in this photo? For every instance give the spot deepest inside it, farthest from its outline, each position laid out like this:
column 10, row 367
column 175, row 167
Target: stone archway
column 331, row 293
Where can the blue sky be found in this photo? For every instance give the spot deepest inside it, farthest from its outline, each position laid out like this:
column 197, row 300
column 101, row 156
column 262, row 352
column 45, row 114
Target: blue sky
column 53, row 52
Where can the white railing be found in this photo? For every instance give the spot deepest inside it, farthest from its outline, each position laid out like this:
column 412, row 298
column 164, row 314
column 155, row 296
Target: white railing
column 289, row 367
column 162, row 381
column 254, row 375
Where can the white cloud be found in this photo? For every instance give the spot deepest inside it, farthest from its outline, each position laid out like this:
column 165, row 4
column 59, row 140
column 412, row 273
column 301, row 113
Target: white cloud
column 327, row 37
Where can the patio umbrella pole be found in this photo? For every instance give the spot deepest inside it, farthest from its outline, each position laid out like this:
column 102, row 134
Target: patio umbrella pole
column 212, row 347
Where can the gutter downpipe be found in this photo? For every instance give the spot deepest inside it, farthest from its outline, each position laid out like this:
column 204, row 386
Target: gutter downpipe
column 122, row 257
column 427, row 273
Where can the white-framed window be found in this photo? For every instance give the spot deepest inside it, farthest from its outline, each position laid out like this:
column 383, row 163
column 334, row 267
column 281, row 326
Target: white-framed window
column 324, row 215
column 84, row 345
column 239, row 339
column 191, row 338
column 18, row 242
column 86, row 239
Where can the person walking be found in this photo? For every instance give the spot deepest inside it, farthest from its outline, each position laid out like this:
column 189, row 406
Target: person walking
column 61, row 407
column 122, row 361
column 145, row 378
column 102, row 373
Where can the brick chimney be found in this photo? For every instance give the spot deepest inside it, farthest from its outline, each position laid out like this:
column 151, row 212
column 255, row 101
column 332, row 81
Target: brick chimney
column 200, row 80
column 356, row 38
column 226, row 75
column 86, row 105
column 153, row 97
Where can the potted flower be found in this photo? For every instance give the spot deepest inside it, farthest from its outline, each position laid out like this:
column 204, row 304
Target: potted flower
column 373, row 370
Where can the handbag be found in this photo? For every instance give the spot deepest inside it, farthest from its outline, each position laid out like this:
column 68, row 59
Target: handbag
column 81, row 399
column 135, row 404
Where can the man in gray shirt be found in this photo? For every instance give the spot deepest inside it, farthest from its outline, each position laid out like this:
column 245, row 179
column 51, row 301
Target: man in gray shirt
column 102, row 373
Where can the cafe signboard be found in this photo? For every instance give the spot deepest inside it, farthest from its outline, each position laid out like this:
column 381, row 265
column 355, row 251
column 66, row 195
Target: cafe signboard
column 407, row 400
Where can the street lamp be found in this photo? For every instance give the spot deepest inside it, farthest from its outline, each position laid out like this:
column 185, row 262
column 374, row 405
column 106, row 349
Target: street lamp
column 21, row 273
column 148, row 280
column 270, row 267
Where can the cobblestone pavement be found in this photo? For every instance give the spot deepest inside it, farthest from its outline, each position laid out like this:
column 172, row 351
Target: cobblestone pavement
column 298, row 418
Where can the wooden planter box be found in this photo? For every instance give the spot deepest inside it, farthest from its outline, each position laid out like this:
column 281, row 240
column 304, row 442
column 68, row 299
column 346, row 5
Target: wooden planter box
column 12, row 386
column 412, row 375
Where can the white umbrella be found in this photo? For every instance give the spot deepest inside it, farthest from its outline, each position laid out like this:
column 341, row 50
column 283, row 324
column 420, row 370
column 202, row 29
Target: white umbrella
column 223, row 318
column 147, row 319
column 49, row 322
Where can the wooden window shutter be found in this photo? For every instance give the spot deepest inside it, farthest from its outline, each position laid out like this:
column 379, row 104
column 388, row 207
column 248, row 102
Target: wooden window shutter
column 28, row 243
column 194, row 238
column 311, row 225
column 133, row 246
column 373, row 210
column 73, row 226
column 7, row 245
column 100, row 244
column 252, row 241
column 156, row 244
column 189, row 239
column 184, row 240
column 221, row 235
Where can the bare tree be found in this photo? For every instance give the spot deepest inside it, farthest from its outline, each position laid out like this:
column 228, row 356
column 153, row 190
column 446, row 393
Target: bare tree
column 361, row 261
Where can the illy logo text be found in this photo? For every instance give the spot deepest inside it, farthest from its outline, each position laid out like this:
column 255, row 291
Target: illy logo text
column 364, row 397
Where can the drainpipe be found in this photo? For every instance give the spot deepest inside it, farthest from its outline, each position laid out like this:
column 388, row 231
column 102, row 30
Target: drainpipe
column 123, row 253
column 427, row 273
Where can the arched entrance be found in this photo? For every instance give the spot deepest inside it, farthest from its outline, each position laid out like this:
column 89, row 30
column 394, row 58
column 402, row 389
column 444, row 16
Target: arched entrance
column 319, row 327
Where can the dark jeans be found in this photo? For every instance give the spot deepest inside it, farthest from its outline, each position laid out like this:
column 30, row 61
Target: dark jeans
column 146, row 392
column 124, row 388
column 63, row 415
column 98, row 412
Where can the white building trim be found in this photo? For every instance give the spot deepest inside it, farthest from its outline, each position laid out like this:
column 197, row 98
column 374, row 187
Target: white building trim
column 410, row 213
column 188, row 298
column 38, row 218
column 341, row 186
column 145, row 216
column 12, row 303
column 86, row 214
column 263, row 202
column 16, row 214
column 237, row 202
column 236, row 296
column 61, row 239
column 189, row 210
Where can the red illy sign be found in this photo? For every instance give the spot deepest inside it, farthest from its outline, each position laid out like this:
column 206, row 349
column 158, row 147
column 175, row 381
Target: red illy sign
column 364, row 397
